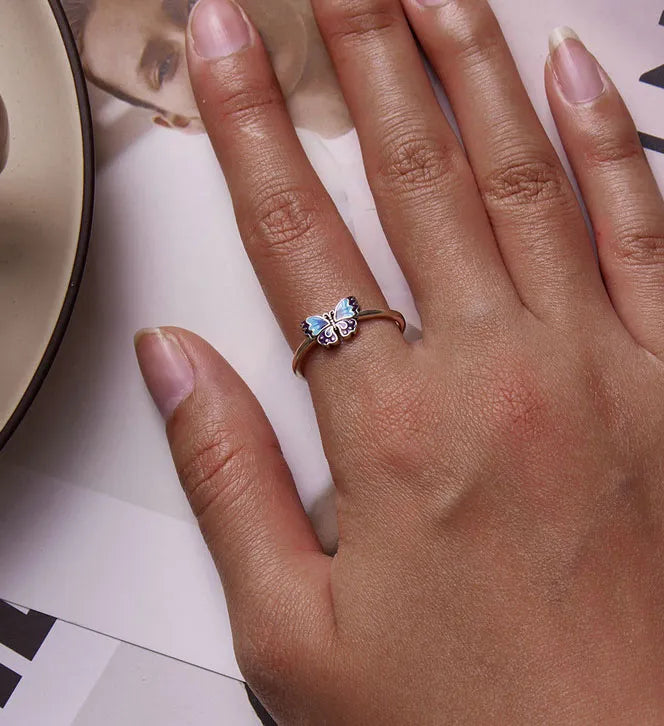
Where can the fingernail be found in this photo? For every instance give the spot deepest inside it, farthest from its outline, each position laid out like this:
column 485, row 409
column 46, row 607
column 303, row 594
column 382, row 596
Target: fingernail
column 575, row 69
column 218, row 28
column 165, row 368
column 432, row 3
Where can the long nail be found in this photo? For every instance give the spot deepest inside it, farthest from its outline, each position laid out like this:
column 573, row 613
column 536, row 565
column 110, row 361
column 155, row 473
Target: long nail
column 165, row 368
column 218, row 28
column 575, row 69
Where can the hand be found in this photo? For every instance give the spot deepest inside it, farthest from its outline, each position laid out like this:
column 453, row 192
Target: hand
column 501, row 483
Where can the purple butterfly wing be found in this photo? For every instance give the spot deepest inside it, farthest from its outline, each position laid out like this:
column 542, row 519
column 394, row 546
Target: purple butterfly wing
column 346, row 328
column 328, row 337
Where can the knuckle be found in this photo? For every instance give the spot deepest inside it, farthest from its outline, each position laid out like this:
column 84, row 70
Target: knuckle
column 354, row 21
column 476, row 42
column 640, row 248
column 215, row 470
column 244, row 106
column 414, row 162
column 280, row 218
column 482, row 323
column 525, row 183
column 611, row 148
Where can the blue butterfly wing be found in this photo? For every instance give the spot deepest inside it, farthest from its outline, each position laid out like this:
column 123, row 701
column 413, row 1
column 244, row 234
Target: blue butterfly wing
column 342, row 321
column 346, row 309
column 315, row 325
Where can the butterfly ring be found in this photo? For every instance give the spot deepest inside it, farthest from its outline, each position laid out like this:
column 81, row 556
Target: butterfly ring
column 330, row 329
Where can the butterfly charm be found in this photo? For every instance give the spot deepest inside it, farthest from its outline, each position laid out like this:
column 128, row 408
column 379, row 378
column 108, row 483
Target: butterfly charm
column 331, row 328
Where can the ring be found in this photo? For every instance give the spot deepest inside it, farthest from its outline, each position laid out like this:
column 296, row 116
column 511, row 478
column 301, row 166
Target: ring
column 330, row 329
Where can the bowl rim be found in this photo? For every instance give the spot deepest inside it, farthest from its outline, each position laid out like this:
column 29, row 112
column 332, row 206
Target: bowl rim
column 84, row 230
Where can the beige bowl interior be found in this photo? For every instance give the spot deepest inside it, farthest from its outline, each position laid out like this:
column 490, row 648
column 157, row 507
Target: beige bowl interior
column 41, row 191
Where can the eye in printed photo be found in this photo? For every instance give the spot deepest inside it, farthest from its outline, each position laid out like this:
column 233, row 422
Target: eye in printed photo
column 135, row 51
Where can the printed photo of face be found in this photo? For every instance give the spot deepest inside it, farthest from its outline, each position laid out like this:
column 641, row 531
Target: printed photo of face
column 135, row 49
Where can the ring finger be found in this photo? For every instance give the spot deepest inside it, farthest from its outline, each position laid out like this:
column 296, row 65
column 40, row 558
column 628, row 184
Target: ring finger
column 533, row 209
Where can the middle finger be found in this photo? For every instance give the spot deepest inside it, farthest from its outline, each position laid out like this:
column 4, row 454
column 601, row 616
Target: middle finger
column 424, row 188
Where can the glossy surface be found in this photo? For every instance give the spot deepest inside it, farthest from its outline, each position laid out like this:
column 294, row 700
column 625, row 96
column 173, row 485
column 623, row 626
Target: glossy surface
column 45, row 198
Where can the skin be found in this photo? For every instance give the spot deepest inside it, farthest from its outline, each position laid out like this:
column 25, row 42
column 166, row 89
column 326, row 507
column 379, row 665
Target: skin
column 500, row 484
column 138, row 47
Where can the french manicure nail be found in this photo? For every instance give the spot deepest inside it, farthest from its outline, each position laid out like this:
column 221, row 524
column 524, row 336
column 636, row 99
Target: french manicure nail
column 167, row 372
column 218, row 28
column 575, row 69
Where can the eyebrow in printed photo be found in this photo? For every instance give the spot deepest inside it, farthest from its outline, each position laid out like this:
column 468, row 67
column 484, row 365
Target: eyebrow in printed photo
column 135, row 50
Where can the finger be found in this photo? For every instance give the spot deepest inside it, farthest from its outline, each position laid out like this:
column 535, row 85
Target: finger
column 533, row 209
column 228, row 459
column 622, row 197
column 303, row 254
column 425, row 192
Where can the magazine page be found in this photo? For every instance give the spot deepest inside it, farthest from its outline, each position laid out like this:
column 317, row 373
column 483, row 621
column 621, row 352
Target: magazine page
column 94, row 527
column 59, row 674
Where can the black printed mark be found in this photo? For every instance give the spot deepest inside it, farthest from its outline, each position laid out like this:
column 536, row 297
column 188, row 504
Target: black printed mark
column 655, row 77
column 654, row 143
column 259, row 709
column 8, row 682
column 24, row 634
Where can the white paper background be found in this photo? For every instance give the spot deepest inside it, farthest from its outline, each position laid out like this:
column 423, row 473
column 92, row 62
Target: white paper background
column 93, row 526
